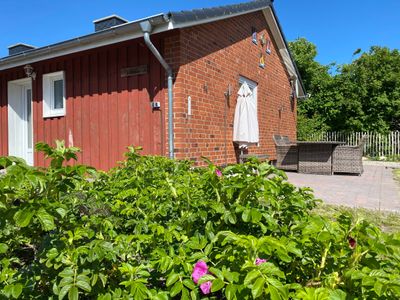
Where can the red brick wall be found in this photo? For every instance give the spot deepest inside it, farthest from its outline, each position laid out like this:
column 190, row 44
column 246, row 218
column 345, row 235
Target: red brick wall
column 207, row 58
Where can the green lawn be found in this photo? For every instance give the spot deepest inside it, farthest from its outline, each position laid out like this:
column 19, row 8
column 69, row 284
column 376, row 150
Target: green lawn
column 396, row 173
column 387, row 221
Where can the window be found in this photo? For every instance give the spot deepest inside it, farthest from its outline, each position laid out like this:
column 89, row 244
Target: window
column 54, row 95
column 246, row 128
column 253, row 87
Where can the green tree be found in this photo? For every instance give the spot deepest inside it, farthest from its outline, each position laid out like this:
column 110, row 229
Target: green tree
column 375, row 78
column 317, row 81
column 361, row 96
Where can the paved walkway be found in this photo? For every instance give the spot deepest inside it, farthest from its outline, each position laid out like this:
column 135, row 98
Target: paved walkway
column 375, row 189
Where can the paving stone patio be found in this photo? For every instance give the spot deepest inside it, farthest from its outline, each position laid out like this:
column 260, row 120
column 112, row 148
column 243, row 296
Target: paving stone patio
column 375, row 189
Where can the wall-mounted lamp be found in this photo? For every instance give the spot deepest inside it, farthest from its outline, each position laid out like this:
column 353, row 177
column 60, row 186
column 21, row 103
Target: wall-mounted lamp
column 29, row 72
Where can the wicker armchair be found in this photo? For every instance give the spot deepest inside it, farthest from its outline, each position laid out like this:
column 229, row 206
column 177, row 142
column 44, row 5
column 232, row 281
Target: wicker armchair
column 348, row 159
column 287, row 154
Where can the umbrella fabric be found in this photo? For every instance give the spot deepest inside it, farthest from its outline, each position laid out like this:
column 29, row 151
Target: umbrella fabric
column 245, row 127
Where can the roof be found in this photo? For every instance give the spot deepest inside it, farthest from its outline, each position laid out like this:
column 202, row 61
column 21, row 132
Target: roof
column 161, row 23
column 218, row 12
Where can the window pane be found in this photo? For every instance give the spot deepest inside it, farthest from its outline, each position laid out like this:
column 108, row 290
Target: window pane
column 58, row 94
column 29, row 116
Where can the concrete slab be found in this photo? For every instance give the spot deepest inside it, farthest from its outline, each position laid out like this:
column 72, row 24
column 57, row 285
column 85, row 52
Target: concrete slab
column 374, row 189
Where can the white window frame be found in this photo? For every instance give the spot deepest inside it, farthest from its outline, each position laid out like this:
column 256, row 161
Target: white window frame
column 48, row 95
column 253, row 86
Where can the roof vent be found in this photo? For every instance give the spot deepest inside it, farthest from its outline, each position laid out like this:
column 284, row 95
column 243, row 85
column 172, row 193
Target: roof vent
column 19, row 48
column 108, row 22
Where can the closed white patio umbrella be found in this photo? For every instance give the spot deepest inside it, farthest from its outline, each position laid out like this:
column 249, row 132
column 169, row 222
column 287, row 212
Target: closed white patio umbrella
column 245, row 127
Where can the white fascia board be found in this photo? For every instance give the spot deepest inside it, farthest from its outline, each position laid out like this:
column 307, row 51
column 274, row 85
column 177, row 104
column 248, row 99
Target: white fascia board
column 210, row 20
column 283, row 50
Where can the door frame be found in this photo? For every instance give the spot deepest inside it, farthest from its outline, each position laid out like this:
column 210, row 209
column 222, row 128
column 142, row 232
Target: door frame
column 18, row 120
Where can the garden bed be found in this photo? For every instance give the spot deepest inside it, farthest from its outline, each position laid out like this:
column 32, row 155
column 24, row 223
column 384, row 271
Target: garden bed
column 154, row 228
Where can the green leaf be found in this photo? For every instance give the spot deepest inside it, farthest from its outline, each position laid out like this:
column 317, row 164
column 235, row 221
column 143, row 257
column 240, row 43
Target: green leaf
column 274, row 293
column 217, row 284
column 258, row 287
column 189, row 284
column 176, row 289
column 73, row 293
column 337, row 295
column 3, row 248
column 65, row 281
column 46, row 220
column 230, row 292
column 251, row 276
column 232, row 218
column 172, row 278
column 217, row 273
column 83, row 285
column 255, row 215
column 206, row 278
column 185, row 294
column 194, row 295
column 67, row 272
column 16, row 290
column 103, row 279
column 64, row 291
column 61, row 211
column 23, row 217
column 227, row 275
column 378, row 287
column 246, row 215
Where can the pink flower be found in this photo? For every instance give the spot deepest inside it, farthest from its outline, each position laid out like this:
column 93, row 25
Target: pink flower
column 206, row 287
column 260, row 261
column 218, row 172
column 201, row 269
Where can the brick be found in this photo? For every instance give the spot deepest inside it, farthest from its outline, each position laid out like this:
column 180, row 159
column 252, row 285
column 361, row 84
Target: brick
column 207, row 58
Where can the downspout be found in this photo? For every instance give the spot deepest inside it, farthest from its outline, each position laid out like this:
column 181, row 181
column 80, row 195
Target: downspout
column 147, row 29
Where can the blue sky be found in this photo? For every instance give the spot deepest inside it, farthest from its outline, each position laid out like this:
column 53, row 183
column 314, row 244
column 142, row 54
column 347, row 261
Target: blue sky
column 338, row 27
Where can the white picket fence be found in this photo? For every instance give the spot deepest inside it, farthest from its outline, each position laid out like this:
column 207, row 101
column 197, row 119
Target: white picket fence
column 376, row 144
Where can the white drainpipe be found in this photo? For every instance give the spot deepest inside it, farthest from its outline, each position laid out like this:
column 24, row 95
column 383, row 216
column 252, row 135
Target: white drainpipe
column 147, row 29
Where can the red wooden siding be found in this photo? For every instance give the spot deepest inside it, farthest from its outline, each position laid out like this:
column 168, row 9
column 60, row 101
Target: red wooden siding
column 105, row 112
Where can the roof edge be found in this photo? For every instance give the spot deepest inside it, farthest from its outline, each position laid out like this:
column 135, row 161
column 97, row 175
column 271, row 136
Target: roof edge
column 290, row 53
column 161, row 23
column 109, row 17
column 221, row 12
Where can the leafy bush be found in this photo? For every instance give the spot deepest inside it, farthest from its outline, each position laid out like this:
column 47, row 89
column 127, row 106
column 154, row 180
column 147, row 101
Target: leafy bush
column 138, row 231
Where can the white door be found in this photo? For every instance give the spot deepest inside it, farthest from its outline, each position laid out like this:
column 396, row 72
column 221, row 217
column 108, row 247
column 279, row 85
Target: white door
column 20, row 121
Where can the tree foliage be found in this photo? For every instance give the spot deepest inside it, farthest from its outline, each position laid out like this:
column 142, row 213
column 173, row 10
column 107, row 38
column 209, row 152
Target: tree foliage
column 361, row 96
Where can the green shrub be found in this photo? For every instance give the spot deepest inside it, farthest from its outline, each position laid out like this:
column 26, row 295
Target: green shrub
column 137, row 232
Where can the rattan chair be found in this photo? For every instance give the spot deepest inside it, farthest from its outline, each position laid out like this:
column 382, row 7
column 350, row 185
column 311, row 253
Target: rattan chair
column 287, row 154
column 348, row 159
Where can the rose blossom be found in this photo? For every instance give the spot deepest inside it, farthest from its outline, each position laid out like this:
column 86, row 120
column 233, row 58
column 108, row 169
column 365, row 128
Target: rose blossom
column 200, row 269
column 260, row 261
column 206, row 287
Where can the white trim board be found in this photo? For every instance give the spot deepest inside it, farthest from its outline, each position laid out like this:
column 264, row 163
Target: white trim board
column 18, row 122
